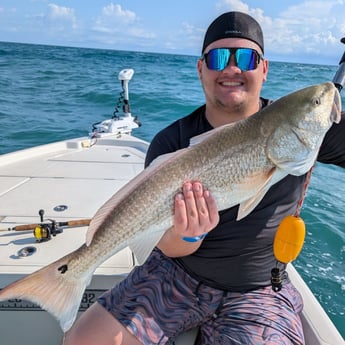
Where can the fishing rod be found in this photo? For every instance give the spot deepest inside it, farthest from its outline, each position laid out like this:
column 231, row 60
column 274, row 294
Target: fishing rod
column 44, row 230
column 289, row 238
column 339, row 78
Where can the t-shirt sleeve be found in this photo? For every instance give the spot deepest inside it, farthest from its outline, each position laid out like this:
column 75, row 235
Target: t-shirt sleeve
column 332, row 150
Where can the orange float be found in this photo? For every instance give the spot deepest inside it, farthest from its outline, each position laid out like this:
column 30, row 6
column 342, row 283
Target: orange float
column 289, row 239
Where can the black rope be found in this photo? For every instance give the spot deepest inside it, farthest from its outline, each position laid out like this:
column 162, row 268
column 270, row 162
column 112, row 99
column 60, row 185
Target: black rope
column 120, row 101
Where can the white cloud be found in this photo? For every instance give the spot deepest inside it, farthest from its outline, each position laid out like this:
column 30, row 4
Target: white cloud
column 116, row 24
column 116, row 12
column 63, row 15
column 188, row 38
column 113, row 19
column 234, row 5
column 309, row 27
column 294, row 31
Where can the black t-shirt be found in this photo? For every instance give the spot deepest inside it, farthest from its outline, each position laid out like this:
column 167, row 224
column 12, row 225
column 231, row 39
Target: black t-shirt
column 238, row 255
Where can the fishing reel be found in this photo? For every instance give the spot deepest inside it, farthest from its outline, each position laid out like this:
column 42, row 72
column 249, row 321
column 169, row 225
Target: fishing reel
column 45, row 231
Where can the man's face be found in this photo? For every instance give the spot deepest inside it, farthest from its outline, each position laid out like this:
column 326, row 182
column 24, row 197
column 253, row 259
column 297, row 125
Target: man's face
column 231, row 90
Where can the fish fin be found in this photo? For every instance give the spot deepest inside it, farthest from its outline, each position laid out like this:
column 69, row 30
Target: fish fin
column 54, row 289
column 141, row 251
column 107, row 208
column 164, row 158
column 249, row 205
column 201, row 137
column 264, row 182
column 192, row 142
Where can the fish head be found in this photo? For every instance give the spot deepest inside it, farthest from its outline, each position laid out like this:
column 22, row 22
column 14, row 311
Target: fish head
column 299, row 125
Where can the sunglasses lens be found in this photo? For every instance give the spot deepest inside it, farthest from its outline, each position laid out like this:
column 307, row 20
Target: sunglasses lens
column 246, row 59
column 217, row 59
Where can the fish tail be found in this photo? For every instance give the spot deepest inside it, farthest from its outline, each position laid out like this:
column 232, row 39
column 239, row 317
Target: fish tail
column 54, row 288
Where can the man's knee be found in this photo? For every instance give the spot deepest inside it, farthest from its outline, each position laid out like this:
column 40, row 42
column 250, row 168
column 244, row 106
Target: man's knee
column 98, row 326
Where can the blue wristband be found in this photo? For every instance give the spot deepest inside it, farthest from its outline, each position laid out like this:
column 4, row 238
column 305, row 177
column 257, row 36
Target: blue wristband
column 195, row 238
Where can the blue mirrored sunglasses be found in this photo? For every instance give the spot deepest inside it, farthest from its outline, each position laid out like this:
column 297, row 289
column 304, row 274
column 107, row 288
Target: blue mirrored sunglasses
column 246, row 59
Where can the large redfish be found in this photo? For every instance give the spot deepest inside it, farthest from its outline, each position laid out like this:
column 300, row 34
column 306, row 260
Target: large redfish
column 238, row 163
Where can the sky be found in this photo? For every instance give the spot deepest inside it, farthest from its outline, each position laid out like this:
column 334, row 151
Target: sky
column 295, row 31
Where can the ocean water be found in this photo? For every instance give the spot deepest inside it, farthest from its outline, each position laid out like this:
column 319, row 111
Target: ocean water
column 50, row 93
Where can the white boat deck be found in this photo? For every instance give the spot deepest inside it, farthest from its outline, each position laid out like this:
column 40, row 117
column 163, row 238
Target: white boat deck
column 67, row 174
column 82, row 178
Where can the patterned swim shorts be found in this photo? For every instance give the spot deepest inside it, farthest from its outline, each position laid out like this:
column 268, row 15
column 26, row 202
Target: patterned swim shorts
column 158, row 301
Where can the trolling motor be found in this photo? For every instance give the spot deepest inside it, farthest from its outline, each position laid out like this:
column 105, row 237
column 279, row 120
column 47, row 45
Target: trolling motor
column 339, row 78
column 119, row 124
column 289, row 238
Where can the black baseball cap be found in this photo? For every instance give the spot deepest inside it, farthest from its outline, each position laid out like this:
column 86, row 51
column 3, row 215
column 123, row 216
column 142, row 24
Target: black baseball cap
column 234, row 24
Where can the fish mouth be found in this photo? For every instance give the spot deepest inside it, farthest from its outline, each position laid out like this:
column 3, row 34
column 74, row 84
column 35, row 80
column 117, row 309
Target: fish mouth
column 336, row 108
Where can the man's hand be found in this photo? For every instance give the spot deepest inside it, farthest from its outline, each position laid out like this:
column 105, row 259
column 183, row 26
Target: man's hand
column 195, row 215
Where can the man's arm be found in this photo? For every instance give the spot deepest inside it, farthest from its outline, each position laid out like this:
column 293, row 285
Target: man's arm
column 332, row 150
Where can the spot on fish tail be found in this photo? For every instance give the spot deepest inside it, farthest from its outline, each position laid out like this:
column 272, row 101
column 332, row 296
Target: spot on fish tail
column 63, row 269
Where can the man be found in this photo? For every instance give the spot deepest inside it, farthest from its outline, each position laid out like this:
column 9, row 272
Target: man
column 219, row 282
